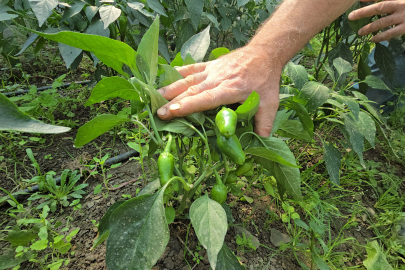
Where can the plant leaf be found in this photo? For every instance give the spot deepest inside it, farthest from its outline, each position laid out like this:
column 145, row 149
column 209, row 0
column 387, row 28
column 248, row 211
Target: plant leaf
column 195, row 8
column 156, row 6
column 42, row 9
column 138, row 233
column 176, row 125
column 333, row 159
column 113, row 87
column 385, row 61
column 69, row 53
column 298, row 74
column 249, row 108
column 269, row 154
column 376, row 259
column 376, row 82
column 210, row 224
column 109, row 14
column 11, row 118
column 104, row 225
column 197, row 45
column 113, row 53
column 302, row 114
column 313, row 95
column 342, row 66
column 97, row 127
column 227, row 260
column 367, row 128
column 169, row 76
column 294, row 129
column 218, row 52
column 356, row 138
column 148, row 49
column 18, row 237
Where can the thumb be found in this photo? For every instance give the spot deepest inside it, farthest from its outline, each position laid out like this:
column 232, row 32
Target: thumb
column 265, row 115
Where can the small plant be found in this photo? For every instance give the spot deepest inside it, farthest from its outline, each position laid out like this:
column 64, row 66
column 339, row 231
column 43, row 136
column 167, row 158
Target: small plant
column 60, row 194
column 245, row 243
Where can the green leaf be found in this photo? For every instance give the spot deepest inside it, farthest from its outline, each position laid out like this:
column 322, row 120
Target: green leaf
column 157, row 100
column 376, row 259
column 109, row 14
column 91, row 11
column 169, row 76
column 281, row 117
column 18, row 237
column 177, row 61
column 138, row 233
column 376, row 82
column 333, row 159
column 69, row 53
column 156, row 6
column 197, row 45
column 288, row 178
column 269, row 189
column 40, row 245
column 150, row 188
column 294, row 129
column 4, row 16
column 113, row 87
column 241, row 3
column 357, row 24
column 227, row 260
column 42, row 9
column 363, row 70
column 351, row 103
column 298, row 74
column 356, row 138
column 195, row 8
column 72, row 10
column 210, row 224
column 170, row 214
column 97, row 127
column 176, row 125
column 218, row 52
column 8, row 259
column 148, row 49
column 104, row 225
column 313, row 95
column 319, row 262
column 189, row 60
column 113, row 53
column 212, row 18
column 11, row 118
column 302, row 114
column 342, row 66
column 385, row 61
column 367, row 128
column 269, row 154
column 249, row 108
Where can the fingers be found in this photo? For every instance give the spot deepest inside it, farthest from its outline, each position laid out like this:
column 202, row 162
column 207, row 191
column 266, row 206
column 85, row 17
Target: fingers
column 206, row 100
column 265, row 116
column 386, row 7
column 171, row 91
column 387, row 35
column 192, row 69
column 380, row 24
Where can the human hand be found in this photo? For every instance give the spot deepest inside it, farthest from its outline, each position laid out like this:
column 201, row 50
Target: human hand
column 227, row 80
column 396, row 17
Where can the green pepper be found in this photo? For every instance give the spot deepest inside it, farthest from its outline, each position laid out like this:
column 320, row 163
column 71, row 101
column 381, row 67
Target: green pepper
column 123, row 22
column 226, row 122
column 231, row 178
column 113, row 31
column 219, row 191
column 244, row 168
column 166, row 163
column 231, row 147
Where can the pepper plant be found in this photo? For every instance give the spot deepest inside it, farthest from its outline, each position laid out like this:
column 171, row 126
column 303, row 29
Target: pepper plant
column 138, row 228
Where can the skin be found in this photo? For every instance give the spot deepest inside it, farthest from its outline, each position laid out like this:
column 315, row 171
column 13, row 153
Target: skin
column 396, row 17
column 257, row 66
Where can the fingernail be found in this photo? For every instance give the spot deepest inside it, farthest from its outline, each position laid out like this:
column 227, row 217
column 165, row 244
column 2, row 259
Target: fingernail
column 162, row 111
column 161, row 91
column 351, row 15
column 175, row 106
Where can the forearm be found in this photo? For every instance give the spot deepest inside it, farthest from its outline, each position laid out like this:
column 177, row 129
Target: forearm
column 293, row 24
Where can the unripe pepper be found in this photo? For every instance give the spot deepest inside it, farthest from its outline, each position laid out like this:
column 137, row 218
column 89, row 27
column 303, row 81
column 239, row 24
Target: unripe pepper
column 123, row 22
column 166, row 163
column 219, row 191
column 231, row 148
column 232, row 178
column 113, row 31
column 244, row 168
column 226, row 122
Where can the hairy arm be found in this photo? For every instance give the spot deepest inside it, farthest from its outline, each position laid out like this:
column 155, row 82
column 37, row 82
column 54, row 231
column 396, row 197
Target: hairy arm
column 257, row 66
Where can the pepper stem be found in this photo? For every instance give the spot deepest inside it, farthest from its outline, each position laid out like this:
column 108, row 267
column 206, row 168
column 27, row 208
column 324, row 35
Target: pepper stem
column 219, row 181
column 185, row 185
column 169, row 144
